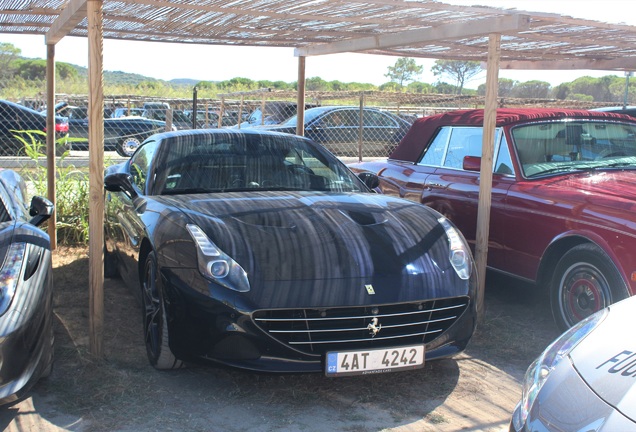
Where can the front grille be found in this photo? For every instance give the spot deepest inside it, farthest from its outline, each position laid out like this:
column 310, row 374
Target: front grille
column 316, row 331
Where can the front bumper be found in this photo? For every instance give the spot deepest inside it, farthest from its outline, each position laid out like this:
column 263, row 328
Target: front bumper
column 223, row 328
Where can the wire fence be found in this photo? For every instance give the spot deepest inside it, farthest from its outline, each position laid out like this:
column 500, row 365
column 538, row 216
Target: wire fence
column 350, row 124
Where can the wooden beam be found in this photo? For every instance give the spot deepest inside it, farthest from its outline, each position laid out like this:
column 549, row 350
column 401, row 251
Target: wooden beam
column 74, row 12
column 300, row 98
column 461, row 30
column 485, row 173
column 50, row 141
column 96, row 175
column 621, row 64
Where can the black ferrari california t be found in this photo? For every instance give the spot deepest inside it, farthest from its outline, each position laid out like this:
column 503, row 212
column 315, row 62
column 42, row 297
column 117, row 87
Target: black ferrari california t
column 261, row 250
column 26, row 290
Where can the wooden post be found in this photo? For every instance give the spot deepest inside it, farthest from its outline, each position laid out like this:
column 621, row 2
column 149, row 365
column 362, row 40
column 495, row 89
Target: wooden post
column 222, row 113
column 96, row 173
column 263, row 109
column 240, row 113
column 300, row 98
column 50, row 140
column 168, row 126
column 485, row 175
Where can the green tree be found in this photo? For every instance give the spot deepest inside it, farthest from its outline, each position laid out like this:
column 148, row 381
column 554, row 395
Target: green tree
column 561, row 91
column 281, row 85
column 66, row 71
column 390, row 86
column 419, row 87
column 237, row 84
column 316, row 84
column 532, row 89
column 206, row 85
column 459, row 70
column 599, row 88
column 506, row 88
column 8, row 55
column 150, row 85
column 403, row 71
column 31, row 70
column 444, row 88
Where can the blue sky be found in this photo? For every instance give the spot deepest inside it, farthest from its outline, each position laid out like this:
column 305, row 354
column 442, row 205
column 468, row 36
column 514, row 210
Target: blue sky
column 216, row 63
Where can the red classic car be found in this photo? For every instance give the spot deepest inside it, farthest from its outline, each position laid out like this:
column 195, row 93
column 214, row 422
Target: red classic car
column 563, row 196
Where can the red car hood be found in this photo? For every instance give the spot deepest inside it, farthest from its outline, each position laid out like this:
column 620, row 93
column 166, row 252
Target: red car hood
column 602, row 185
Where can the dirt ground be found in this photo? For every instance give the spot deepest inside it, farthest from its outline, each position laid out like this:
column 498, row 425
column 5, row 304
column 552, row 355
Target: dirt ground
column 475, row 391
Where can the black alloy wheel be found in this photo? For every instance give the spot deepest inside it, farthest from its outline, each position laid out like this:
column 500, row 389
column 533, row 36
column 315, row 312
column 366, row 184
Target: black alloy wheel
column 156, row 334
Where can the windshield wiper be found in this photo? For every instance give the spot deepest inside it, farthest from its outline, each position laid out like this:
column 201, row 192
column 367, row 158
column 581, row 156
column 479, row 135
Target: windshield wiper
column 618, row 165
column 560, row 169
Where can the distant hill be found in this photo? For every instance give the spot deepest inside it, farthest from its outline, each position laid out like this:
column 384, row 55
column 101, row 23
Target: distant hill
column 184, row 82
column 125, row 78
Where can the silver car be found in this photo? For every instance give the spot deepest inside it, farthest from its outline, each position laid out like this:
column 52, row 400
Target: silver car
column 586, row 379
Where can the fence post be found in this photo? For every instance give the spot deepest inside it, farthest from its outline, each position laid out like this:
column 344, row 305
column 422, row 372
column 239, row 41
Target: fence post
column 194, row 107
column 360, row 127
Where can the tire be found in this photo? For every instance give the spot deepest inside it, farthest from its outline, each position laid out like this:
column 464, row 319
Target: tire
column 585, row 281
column 156, row 335
column 127, row 146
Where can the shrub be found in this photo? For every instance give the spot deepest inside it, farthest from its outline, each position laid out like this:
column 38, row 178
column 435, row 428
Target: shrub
column 71, row 198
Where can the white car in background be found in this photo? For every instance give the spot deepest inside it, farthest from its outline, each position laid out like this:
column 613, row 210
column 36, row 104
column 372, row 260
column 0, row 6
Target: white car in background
column 586, row 379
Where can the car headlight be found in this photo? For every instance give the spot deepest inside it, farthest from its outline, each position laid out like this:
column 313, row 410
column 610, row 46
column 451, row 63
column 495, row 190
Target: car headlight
column 540, row 369
column 459, row 256
column 216, row 265
column 10, row 274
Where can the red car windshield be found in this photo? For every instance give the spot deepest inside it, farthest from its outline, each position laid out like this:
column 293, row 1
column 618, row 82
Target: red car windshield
column 564, row 146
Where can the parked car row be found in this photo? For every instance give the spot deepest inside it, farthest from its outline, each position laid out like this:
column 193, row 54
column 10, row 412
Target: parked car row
column 122, row 135
column 349, row 131
column 22, row 127
column 344, row 130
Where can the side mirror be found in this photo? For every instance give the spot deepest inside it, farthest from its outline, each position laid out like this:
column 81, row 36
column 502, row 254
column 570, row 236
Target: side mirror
column 40, row 210
column 122, row 182
column 472, row 163
column 370, row 179
column 119, row 182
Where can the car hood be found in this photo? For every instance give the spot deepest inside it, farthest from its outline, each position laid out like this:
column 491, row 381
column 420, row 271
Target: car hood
column 320, row 238
column 608, row 183
column 606, row 358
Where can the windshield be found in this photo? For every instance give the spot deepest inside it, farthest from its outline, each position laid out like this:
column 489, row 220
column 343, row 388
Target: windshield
column 574, row 145
column 231, row 161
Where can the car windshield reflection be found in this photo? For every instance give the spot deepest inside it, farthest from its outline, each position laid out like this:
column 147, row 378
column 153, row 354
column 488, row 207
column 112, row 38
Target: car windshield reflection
column 250, row 162
column 562, row 147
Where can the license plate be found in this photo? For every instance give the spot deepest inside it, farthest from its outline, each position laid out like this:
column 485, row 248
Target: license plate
column 374, row 361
